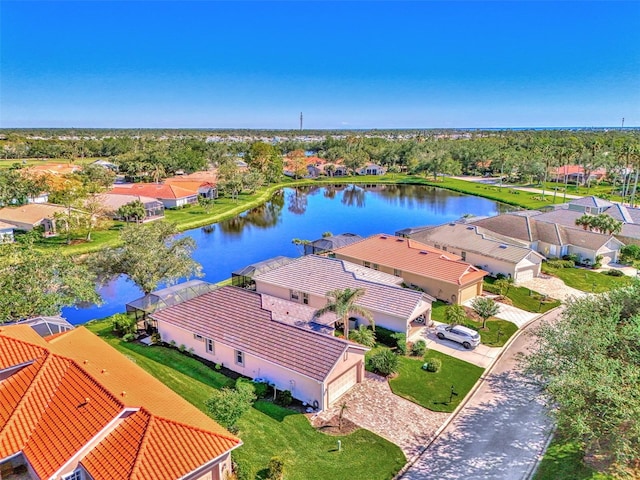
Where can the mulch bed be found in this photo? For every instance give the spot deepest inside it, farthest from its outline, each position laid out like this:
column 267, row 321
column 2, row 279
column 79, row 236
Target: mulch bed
column 330, row 427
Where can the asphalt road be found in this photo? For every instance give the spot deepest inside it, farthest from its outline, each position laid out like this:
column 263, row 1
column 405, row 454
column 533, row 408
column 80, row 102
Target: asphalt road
column 500, row 433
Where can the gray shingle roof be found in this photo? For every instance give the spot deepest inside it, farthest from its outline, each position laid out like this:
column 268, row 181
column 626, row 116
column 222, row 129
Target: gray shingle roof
column 318, row 275
column 473, row 238
column 234, row 317
column 591, row 201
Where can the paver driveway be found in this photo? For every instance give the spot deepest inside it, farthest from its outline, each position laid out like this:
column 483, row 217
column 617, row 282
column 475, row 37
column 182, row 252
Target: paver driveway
column 372, row 405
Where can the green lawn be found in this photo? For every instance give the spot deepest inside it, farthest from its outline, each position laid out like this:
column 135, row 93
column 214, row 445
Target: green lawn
column 438, row 309
column 524, row 298
column 267, row 430
column 602, row 190
column 587, row 280
column 564, row 460
column 433, row 390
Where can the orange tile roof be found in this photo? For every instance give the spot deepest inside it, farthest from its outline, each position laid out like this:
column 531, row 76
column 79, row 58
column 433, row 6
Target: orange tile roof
column 77, row 386
column 189, row 185
column 414, row 257
column 54, row 168
column 155, row 190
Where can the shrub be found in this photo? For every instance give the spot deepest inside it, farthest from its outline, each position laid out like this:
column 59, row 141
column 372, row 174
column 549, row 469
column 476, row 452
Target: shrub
column 156, row 338
column 385, row 362
column 573, row 257
column 629, row 253
column 261, row 389
column 284, row 398
column 614, row 273
column 401, row 343
column 385, row 336
column 226, row 406
column 172, row 343
column 129, row 337
column 182, row 347
column 557, row 263
column 218, row 366
column 244, row 471
column 364, row 336
column 419, row 348
column 275, row 469
column 123, row 324
column 432, row 364
column 500, row 276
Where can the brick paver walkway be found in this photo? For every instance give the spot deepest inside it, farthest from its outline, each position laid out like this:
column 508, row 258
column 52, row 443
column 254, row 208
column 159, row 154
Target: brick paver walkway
column 552, row 286
column 372, row 405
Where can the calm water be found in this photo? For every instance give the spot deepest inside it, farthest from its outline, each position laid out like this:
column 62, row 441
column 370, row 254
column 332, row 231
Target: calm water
column 305, row 213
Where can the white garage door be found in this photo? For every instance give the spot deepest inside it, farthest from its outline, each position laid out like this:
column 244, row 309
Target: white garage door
column 343, row 383
column 524, row 275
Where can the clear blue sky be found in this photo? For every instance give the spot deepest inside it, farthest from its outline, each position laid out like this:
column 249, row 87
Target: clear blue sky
column 344, row 64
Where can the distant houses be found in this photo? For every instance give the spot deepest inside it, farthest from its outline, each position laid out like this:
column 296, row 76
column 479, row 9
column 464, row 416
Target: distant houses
column 32, row 215
column 171, row 195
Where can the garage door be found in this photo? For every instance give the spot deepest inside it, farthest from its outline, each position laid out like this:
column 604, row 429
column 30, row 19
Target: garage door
column 342, row 384
column 608, row 258
column 524, row 275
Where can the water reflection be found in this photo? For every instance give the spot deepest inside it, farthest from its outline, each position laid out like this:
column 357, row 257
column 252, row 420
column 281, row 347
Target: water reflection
column 354, row 197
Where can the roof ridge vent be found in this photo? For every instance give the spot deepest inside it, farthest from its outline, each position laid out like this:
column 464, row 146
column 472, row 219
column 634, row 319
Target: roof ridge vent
column 502, row 245
column 423, row 252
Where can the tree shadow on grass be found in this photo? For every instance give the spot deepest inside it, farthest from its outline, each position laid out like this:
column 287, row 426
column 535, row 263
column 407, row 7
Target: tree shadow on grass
column 272, row 410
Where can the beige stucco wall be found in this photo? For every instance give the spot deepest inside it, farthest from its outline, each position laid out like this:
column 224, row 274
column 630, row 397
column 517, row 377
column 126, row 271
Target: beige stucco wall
column 217, row 471
column 302, row 388
column 385, row 320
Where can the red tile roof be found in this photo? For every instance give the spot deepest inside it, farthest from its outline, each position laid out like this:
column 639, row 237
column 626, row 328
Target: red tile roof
column 155, row 190
column 414, row 257
column 52, row 405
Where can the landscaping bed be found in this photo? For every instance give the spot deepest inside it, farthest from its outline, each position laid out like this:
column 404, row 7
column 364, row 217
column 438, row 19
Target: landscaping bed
column 267, row 429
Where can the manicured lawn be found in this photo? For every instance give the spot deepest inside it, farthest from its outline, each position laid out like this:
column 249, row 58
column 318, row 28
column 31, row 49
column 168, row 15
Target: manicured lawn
column 497, row 332
column 267, row 430
column 433, row 390
column 564, row 460
column 437, row 311
column 524, row 298
column 587, row 280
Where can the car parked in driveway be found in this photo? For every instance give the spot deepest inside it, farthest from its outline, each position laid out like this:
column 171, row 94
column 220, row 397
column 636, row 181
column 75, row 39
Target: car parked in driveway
column 457, row 333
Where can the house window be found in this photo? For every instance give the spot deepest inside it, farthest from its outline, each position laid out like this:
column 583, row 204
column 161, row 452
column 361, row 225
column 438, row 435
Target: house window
column 305, row 298
column 293, row 294
column 464, row 256
column 397, row 272
column 210, row 346
column 367, row 264
column 376, row 266
column 77, row 475
column 437, row 246
column 444, row 249
column 239, row 358
column 198, row 337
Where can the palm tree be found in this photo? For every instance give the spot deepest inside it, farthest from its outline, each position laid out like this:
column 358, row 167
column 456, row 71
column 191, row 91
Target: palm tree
column 342, row 303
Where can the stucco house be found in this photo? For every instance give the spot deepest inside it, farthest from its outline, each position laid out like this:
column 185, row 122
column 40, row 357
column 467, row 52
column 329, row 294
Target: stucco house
column 171, row 196
column 494, row 253
column 551, row 238
column 32, row 215
column 73, row 408
column 307, row 280
column 257, row 336
column 153, row 209
column 372, row 169
column 441, row 274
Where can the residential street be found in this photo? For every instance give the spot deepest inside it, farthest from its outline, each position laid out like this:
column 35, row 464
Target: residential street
column 501, row 431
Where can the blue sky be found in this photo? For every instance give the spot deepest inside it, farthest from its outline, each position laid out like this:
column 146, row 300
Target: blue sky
column 344, row 64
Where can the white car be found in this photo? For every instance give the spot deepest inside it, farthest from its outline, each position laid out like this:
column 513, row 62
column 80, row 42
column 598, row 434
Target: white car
column 457, row 333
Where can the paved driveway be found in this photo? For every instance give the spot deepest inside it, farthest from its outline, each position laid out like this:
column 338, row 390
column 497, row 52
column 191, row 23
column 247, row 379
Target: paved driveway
column 552, row 287
column 510, row 313
column 500, row 433
column 372, row 405
column 481, row 356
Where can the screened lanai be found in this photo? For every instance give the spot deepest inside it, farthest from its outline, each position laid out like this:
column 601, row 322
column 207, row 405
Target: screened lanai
column 243, row 277
column 168, row 297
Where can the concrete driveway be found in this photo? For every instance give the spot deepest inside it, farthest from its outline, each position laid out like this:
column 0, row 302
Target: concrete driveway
column 482, row 356
column 501, row 431
column 552, row 287
column 510, row 313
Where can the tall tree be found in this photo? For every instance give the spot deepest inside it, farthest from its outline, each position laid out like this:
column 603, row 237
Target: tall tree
column 344, row 303
column 485, row 307
column 150, row 254
column 35, row 282
column 588, row 365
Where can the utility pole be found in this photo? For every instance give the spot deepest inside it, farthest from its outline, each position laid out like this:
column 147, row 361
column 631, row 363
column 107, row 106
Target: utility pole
column 622, row 122
column 301, row 121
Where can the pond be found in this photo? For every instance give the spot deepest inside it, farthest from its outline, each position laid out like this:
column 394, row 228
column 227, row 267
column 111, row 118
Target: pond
column 306, row 213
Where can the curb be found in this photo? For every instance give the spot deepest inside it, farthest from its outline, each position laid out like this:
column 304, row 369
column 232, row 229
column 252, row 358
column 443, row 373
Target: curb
column 470, row 395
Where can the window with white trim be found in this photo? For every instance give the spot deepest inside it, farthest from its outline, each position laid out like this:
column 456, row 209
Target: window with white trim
column 367, row 264
column 198, row 337
column 239, row 358
column 305, row 298
column 464, row 256
column 375, row 266
column 293, row 295
column 397, row 272
column 210, row 346
column 77, row 475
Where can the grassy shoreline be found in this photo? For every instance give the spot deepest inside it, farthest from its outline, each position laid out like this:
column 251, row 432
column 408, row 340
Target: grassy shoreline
column 225, row 208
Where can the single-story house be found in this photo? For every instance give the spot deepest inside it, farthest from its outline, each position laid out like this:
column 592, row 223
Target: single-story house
column 548, row 235
column 6, row 232
column 32, row 215
column 576, row 173
column 153, row 209
column 106, row 164
column 372, row 169
column 441, row 274
column 171, row 196
column 204, row 182
column 307, row 280
column 74, row 408
column 232, row 326
column 328, row 244
column 493, row 253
